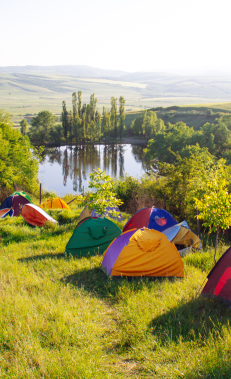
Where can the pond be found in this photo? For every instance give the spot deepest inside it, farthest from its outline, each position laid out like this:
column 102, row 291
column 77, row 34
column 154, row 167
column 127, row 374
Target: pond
column 66, row 169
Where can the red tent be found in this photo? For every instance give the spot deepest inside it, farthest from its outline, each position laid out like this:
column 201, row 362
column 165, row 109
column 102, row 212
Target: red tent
column 219, row 279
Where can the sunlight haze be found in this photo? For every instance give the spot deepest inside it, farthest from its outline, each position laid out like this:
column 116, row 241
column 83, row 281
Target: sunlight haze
column 123, row 35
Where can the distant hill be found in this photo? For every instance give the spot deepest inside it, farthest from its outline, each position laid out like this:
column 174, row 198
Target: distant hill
column 78, row 70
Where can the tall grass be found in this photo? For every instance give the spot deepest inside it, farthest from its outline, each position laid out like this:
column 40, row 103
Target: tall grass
column 62, row 318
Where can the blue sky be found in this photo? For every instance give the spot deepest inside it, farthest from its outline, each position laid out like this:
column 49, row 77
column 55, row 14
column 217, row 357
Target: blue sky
column 129, row 35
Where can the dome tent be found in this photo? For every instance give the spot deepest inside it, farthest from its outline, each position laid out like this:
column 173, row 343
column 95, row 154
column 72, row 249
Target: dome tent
column 142, row 252
column 181, row 234
column 6, row 212
column 15, row 202
column 36, row 216
column 152, row 218
column 92, row 236
column 55, row 203
column 219, row 279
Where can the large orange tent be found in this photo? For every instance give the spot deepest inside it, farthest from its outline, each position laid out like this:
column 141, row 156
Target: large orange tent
column 142, row 252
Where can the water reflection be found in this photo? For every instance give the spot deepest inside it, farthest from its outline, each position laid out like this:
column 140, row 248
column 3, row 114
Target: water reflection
column 67, row 169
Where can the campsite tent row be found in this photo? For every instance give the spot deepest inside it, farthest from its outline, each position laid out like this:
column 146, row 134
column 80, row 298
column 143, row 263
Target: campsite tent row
column 136, row 252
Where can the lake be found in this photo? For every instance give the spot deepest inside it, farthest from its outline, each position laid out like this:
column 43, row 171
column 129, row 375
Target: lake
column 66, row 169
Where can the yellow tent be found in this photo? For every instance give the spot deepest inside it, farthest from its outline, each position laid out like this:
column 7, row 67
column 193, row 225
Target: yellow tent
column 142, row 252
column 56, row 203
column 180, row 234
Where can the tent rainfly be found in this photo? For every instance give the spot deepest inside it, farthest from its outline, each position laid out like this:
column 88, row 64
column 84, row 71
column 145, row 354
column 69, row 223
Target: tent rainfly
column 15, row 202
column 180, row 234
column 143, row 252
column 92, row 236
column 36, row 216
column 219, row 279
column 6, row 212
column 151, row 218
column 56, row 203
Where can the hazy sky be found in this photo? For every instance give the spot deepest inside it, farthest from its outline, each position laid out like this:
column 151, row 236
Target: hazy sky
column 128, row 35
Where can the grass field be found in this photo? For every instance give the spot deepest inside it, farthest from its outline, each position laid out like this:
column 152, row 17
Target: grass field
column 62, row 318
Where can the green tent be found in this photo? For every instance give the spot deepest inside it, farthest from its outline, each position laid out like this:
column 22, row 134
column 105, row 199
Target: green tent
column 92, row 236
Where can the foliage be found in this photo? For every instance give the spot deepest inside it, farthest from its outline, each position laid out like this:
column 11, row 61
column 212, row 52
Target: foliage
column 41, row 125
column 215, row 206
column 175, row 138
column 18, row 165
column 5, row 118
column 24, row 126
column 147, row 124
column 103, row 194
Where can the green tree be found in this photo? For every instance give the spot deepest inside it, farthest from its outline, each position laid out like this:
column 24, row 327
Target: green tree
column 40, row 127
column 79, row 102
column 114, row 116
column 64, row 119
column 24, row 126
column 121, row 115
column 102, row 195
column 107, row 126
column 18, row 164
column 215, row 205
column 98, row 125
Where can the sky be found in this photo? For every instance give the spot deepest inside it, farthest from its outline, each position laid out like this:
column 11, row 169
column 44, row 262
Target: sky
column 127, row 35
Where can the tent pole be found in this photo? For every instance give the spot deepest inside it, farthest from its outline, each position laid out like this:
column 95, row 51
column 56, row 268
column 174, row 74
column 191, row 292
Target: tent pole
column 40, row 193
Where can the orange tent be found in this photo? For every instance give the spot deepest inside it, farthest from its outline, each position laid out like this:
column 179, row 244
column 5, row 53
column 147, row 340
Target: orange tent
column 142, row 252
column 56, row 203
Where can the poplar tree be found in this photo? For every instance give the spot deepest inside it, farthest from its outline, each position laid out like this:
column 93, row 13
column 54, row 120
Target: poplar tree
column 79, row 102
column 64, row 118
column 121, row 115
column 114, row 116
column 24, row 126
column 76, row 118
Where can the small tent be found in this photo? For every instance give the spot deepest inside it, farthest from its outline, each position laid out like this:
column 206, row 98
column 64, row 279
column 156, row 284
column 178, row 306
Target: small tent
column 22, row 193
column 180, row 234
column 15, row 202
column 151, row 218
column 92, row 236
column 219, row 279
column 92, row 213
column 143, row 252
column 6, row 212
column 36, row 216
column 56, row 203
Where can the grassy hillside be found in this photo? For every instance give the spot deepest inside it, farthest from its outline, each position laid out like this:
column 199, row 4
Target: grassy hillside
column 30, row 91
column 194, row 115
column 62, row 317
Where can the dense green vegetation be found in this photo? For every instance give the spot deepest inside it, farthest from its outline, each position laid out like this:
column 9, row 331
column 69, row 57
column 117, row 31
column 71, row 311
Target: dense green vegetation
column 80, row 125
column 18, row 164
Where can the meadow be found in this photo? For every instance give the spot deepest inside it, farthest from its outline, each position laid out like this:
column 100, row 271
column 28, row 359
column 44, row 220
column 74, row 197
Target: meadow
column 27, row 93
column 61, row 317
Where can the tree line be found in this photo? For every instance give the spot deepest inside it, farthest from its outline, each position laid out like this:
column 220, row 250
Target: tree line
column 83, row 123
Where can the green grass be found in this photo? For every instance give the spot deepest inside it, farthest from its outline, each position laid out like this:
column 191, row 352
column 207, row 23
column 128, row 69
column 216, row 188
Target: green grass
column 62, row 318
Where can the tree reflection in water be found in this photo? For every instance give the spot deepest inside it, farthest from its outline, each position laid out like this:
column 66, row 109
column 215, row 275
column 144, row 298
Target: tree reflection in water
column 78, row 162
